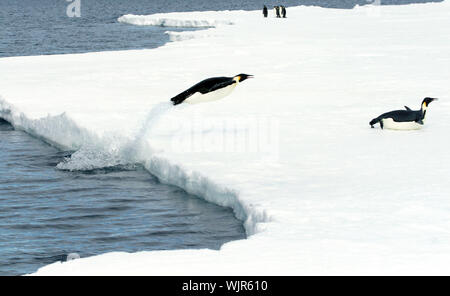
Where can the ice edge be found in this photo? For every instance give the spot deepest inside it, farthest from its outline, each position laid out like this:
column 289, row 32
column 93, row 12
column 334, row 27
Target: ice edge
column 62, row 132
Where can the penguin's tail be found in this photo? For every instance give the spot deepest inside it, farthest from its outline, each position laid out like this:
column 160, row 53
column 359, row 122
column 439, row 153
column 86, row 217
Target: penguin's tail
column 374, row 121
column 178, row 99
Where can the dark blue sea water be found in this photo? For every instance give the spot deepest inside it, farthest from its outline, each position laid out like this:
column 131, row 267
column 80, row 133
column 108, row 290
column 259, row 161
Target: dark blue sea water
column 46, row 213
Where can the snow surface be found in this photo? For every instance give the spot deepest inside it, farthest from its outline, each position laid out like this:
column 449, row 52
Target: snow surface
column 291, row 151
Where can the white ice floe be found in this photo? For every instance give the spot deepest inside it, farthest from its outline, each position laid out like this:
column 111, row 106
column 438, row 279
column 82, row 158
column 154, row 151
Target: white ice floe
column 186, row 35
column 290, row 151
column 182, row 20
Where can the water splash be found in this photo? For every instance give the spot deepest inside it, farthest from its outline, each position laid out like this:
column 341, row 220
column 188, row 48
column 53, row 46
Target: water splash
column 72, row 256
column 152, row 119
column 116, row 151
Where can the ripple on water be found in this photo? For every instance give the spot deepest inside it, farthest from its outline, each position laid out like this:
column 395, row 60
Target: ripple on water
column 46, row 213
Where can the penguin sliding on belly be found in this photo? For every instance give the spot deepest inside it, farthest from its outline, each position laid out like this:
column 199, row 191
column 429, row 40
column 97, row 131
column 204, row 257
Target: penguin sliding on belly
column 210, row 89
column 403, row 119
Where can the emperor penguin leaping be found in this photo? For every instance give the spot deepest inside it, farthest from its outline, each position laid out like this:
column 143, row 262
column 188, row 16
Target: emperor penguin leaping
column 403, row 119
column 210, row 89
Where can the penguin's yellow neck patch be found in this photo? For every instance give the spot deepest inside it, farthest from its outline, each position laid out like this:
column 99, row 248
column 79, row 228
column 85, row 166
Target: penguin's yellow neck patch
column 237, row 79
column 424, row 106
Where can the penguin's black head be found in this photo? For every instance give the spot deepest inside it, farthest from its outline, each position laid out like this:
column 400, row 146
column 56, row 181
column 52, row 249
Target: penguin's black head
column 427, row 101
column 242, row 77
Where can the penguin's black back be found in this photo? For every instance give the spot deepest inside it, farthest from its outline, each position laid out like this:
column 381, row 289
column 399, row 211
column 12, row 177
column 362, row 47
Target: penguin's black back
column 204, row 86
column 403, row 115
column 211, row 84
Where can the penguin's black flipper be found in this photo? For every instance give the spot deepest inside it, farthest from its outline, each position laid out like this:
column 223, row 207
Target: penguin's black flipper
column 407, row 108
column 221, row 85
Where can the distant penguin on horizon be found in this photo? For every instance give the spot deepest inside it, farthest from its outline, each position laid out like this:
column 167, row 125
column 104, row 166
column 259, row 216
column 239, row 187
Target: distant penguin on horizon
column 265, row 11
column 283, row 11
column 403, row 119
column 211, row 89
column 277, row 10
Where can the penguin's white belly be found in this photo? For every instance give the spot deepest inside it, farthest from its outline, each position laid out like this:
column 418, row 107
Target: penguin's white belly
column 389, row 123
column 211, row 96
